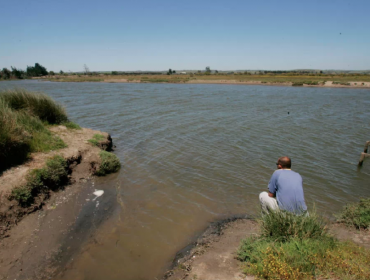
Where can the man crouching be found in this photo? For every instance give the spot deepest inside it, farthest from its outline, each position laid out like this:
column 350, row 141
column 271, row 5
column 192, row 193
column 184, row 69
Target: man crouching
column 286, row 186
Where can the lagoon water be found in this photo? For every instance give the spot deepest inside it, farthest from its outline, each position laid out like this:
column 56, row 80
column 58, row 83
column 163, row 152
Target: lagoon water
column 193, row 154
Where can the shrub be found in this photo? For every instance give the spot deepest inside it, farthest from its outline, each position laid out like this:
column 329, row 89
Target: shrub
column 356, row 214
column 297, row 84
column 109, row 164
column 51, row 177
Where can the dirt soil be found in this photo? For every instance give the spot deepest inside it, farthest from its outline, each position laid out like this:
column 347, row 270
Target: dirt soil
column 29, row 237
column 213, row 255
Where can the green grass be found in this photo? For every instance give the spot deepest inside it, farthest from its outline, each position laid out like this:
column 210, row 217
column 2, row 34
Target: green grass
column 96, row 139
column 24, row 120
column 109, row 164
column 299, row 247
column 53, row 176
column 35, row 104
column 283, row 226
column 71, row 125
column 356, row 214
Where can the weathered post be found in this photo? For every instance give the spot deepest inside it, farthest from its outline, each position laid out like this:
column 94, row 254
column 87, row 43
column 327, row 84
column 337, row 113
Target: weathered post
column 364, row 154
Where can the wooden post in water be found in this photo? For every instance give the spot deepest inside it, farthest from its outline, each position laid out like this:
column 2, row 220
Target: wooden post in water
column 364, row 154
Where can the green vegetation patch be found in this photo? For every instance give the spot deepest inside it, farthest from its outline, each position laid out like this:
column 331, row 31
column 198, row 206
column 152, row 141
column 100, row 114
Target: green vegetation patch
column 23, row 126
column 71, row 125
column 53, row 176
column 97, row 138
column 109, row 164
column 356, row 214
column 35, row 104
column 297, row 84
column 299, row 247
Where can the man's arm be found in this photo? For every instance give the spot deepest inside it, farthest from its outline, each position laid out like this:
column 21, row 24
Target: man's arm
column 272, row 194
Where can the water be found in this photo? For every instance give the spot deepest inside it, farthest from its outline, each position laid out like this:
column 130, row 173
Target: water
column 192, row 154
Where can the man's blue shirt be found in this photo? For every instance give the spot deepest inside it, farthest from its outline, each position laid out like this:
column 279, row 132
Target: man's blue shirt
column 288, row 187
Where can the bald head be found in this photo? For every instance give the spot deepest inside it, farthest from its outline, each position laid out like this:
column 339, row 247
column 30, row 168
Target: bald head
column 285, row 162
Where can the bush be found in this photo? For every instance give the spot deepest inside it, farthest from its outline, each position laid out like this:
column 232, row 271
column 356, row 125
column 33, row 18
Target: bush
column 109, row 164
column 356, row 214
column 283, row 226
column 51, row 177
column 36, row 104
column 297, row 84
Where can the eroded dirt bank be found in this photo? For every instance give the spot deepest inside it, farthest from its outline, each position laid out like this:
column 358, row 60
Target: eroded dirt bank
column 38, row 240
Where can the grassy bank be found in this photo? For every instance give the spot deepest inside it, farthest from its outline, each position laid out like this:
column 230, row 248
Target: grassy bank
column 299, row 247
column 24, row 120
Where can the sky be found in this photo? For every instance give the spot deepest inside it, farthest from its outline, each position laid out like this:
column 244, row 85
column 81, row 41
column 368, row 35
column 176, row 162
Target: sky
column 158, row 35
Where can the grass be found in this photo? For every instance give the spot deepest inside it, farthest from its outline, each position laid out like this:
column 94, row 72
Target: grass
column 42, row 180
column 109, row 164
column 96, row 139
column 71, row 125
column 24, row 117
column 299, row 247
column 356, row 214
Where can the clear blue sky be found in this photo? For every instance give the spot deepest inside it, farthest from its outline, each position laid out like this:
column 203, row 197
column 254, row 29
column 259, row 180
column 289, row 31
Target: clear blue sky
column 188, row 34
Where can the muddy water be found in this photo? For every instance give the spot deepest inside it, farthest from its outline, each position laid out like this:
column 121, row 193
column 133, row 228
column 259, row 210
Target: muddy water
column 192, row 154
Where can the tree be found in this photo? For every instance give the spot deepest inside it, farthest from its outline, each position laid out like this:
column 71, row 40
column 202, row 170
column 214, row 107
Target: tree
column 169, row 72
column 61, row 72
column 6, row 73
column 208, row 70
column 36, row 71
column 19, row 74
column 86, row 69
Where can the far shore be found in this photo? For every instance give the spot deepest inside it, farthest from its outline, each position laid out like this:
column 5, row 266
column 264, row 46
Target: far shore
column 336, row 81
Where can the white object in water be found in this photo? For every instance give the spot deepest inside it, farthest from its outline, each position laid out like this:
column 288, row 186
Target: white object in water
column 98, row 193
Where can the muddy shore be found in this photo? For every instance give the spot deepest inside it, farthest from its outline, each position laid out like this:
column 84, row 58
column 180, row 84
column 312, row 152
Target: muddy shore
column 37, row 241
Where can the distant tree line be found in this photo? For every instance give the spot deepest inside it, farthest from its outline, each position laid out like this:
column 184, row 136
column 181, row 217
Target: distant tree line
column 31, row 71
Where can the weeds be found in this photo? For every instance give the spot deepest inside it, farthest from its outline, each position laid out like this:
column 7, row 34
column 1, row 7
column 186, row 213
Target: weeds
column 42, row 180
column 96, row 139
column 356, row 214
column 109, row 164
column 298, row 247
column 283, row 226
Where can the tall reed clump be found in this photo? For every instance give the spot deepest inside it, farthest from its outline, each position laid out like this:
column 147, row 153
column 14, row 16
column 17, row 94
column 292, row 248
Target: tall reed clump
column 23, row 119
column 299, row 247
